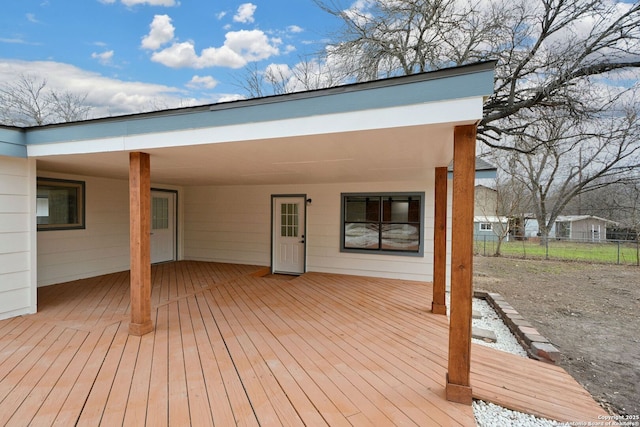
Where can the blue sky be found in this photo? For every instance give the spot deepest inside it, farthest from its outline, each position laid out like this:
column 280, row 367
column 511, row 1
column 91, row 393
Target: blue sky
column 128, row 55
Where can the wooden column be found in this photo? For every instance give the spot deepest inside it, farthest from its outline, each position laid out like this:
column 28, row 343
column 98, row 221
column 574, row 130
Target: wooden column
column 439, row 305
column 459, row 368
column 139, row 242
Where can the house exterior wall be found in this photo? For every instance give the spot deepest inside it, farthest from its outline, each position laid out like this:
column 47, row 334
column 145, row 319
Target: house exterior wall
column 17, row 237
column 101, row 248
column 484, row 235
column 233, row 224
column 499, row 227
column 223, row 224
column 582, row 229
column 485, row 201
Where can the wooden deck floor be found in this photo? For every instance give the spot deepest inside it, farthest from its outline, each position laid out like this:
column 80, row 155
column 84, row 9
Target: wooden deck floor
column 232, row 348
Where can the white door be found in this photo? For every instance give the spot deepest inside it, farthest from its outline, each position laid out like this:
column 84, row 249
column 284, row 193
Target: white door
column 163, row 226
column 288, row 235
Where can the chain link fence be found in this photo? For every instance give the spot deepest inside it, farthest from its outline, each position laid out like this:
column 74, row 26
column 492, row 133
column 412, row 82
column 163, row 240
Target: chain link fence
column 622, row 252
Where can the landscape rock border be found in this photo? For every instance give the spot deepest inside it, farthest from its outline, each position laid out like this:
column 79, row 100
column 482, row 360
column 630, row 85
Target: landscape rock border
column 536, row 345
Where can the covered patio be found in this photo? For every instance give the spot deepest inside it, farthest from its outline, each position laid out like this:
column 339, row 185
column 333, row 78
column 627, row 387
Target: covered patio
column 233, row 344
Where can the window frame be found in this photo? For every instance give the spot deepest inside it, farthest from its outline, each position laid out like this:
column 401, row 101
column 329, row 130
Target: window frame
column 80, row 203
column 486, row 226
column 382, row 251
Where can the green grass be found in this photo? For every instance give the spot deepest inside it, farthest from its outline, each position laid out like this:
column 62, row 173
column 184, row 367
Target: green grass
column 608, row 253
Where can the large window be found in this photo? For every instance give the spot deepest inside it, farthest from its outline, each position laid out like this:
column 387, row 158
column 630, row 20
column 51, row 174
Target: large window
column 60, row 204
column 389, row 223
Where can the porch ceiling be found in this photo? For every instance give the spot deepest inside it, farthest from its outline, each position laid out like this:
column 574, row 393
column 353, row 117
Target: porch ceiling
column 389, row 154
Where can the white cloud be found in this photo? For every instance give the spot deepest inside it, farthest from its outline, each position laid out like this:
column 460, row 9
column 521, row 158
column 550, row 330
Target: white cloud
column 167, row 3
column 240, row 47
column 220, row 15
column 104, row 58
column 245, row 13
column 229, row 97
column 252, row 45
column 32, row 18
column 183, row 55
column 359, row 11
column 108, row 96
column 15, row 41
column 206, row 82
column 161, row 32
column 295, row 29
column 278, row 71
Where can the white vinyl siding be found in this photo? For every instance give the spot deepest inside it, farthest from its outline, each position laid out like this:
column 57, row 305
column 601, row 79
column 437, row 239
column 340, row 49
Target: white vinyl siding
column 233, row 224
column 101, row 248
column 224, row 224
column 17, row 237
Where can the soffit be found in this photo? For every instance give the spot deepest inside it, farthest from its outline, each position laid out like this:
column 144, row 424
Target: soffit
column 361, row 156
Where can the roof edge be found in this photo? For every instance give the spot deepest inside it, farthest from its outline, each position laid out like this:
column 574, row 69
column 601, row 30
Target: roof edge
column 478, row 67
column 460, row 70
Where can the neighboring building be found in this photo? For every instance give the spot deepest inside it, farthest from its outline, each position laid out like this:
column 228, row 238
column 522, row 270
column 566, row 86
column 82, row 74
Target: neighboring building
column 490, row 228
column 586, row 228
column 487, row 224
column 485, row 201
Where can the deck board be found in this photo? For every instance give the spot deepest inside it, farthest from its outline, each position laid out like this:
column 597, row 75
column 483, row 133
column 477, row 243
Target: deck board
column 157, row 413
column 230, row 347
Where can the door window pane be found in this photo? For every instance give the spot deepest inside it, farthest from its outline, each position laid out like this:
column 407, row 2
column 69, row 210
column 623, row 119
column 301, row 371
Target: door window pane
column 289, row 222
column 160, row 213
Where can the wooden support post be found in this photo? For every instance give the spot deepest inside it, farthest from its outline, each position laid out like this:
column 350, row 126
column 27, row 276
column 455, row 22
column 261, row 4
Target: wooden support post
column 439, row 305
column 139, row 242
column 459, row 369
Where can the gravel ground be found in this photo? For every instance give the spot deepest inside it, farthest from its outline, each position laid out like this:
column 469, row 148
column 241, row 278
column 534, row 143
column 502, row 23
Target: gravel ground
column 490, row 415
column 491, row 321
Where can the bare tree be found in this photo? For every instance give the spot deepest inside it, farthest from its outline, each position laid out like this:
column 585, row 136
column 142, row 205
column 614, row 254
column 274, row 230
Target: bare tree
column 513, row 201
column 69, row 106
column 631, row 207
column 253, row 82
column 618, row 200
column 614, row 200
column 567, row 157
column 29, row 102
column 549, row 51
column 278, row 79
column 560, row 85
